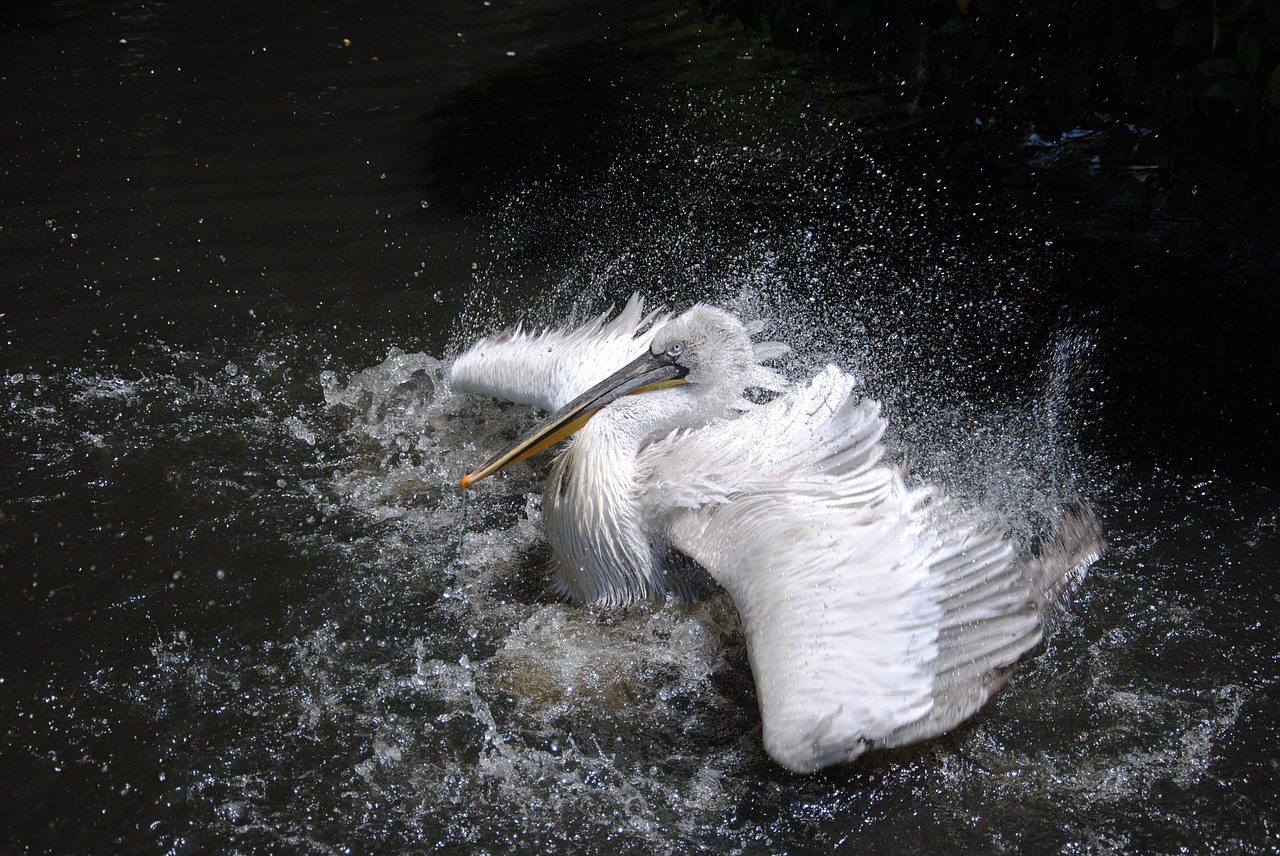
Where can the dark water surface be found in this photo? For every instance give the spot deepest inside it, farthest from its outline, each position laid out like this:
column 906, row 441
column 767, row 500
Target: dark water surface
column 245, row 610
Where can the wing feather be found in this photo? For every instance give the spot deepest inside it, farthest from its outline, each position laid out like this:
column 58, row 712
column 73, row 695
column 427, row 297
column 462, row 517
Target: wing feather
column 875, row 615
column 548, row 368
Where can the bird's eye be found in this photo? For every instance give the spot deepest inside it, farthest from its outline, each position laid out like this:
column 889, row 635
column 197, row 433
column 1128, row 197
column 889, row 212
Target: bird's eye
column 675, row 350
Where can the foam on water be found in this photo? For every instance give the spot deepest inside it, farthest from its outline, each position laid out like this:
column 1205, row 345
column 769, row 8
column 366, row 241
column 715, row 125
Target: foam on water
column 385, row 666
column 389, row 668
column 434, row 671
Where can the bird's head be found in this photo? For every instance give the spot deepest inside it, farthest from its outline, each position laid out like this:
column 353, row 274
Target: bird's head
column 710, row 345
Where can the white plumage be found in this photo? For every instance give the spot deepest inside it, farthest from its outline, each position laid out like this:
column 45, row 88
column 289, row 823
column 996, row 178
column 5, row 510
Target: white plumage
column 875, row 614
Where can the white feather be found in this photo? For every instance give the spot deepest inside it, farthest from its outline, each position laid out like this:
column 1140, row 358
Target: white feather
column 875, row 615
column 547, row 369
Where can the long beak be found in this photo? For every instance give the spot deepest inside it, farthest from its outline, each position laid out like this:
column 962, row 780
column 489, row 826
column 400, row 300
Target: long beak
column 647, row 372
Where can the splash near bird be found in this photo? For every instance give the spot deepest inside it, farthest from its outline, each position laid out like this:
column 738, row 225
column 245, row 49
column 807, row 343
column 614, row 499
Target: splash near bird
column 875, row 614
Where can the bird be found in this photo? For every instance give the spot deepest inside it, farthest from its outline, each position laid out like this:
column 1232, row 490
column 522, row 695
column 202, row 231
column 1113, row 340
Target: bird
column 876, row 613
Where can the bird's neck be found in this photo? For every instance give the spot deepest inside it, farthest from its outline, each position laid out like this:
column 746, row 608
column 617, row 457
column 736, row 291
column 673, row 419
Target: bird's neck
column 602, row 550
column 604, row 547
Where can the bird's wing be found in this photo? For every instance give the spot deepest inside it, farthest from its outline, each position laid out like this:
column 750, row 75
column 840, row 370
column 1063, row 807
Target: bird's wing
column 874, row 615
column 547, row 369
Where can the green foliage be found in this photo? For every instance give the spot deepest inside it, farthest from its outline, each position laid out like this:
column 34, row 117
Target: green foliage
column 1188, row 90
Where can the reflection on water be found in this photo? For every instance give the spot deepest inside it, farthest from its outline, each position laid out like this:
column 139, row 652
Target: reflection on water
column 249, row 610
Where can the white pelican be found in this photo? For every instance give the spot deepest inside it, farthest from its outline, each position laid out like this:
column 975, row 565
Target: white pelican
column 875, row 614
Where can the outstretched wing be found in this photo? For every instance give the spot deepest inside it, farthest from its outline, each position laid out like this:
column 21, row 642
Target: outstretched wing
column 547, row 369
column 874, row 615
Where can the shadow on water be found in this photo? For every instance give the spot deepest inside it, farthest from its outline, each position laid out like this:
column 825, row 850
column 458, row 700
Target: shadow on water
column 544, row 120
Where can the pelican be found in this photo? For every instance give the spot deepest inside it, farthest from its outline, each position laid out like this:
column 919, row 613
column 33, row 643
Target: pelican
column 875, row 614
